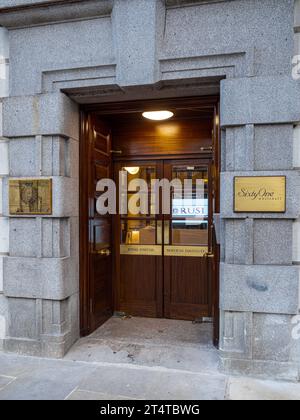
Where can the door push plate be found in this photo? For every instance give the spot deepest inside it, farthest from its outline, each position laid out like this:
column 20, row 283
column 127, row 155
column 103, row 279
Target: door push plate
column 104, row 252
column 185, row 251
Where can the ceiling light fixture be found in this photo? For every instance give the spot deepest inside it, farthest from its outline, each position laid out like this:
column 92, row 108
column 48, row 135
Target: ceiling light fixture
column 134, row 170
column 158, row 115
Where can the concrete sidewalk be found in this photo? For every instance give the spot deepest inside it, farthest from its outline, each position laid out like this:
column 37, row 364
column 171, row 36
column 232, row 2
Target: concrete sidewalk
column 25, row 378
column 135, row 359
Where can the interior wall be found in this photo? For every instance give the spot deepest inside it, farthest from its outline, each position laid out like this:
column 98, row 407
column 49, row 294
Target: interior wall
column 136, row 137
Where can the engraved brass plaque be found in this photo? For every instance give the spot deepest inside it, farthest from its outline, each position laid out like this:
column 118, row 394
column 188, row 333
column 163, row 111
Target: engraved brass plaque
column 261, row 194
column 30, row 196
column 185, row 251
column 155, row 250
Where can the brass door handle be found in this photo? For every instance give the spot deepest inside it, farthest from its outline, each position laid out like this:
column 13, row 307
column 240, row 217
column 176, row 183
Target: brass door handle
column 104, row 252
column 210, row 255
column 159, row 233
column 167, row 232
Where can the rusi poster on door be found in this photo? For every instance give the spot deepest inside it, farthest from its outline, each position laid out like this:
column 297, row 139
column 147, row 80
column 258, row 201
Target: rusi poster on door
column 192, row 207
column 260, row 194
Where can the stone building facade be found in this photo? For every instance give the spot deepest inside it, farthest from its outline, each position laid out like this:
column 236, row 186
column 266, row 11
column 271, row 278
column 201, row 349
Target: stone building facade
column 59, row 54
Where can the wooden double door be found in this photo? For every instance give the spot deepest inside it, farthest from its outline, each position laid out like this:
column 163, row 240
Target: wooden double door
column 158, row 262
column 162, row 242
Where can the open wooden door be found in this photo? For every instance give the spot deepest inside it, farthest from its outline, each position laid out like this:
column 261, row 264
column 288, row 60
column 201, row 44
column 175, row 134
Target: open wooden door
column 96, row 230
column 215, row 262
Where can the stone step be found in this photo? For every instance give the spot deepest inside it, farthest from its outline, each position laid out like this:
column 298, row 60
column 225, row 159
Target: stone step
column 187, row 357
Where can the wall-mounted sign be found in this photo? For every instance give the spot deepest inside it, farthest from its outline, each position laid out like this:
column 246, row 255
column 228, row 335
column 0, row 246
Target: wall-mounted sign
column 260, row 194
column 30, row 196
column 154, row 250
column 185, row 251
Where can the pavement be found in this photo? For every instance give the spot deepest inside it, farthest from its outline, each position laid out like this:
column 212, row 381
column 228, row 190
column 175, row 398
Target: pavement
column 136, row 359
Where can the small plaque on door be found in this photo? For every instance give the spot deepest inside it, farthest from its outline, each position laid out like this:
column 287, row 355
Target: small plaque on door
column 185, row 251
column 154, row 250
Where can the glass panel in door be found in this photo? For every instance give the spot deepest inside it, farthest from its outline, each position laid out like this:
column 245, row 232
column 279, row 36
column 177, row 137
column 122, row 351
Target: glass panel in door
column 189, row 220
column 187, row 242
column 139, row 268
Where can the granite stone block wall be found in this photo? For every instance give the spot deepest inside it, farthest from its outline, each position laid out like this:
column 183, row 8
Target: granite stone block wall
column 295, row 350
column 4, row 223
column 260, row 269
column 41, row 274
column 130, row 49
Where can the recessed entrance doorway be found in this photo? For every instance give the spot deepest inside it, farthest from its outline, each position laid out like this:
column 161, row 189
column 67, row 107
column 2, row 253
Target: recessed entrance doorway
column 161, row 262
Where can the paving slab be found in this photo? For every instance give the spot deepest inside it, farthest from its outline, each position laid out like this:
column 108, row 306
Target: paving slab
column 13, row 365
column 248, row 389
column 41, row 379
column 155, row 384
column 81, row 395
column 5, row 380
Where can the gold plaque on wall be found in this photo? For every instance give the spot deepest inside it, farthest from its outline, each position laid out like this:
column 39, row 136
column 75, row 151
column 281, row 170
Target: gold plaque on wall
column 260, row 194
column 30, row 196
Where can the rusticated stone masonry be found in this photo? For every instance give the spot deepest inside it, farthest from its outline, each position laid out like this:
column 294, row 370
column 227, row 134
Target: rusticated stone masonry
column 4, row 170
column 112, row 50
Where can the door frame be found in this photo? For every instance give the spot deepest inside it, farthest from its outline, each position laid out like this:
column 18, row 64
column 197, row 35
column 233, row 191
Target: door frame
column 208, row 103
column 84, row 267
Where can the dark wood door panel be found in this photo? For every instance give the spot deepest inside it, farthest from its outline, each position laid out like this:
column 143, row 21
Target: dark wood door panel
column 165, row 138
column 102, row 297
column 140, row 285
column 187, row 289
column 101, row 171
column 189, row 280
column 138, row 278
column 96, row 230
column 187, row 312
column 100, row 228
column 102, row 235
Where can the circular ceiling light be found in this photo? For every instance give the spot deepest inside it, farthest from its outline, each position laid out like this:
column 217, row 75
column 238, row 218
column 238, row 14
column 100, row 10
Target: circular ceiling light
column 132, row 170
column 158, row 115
